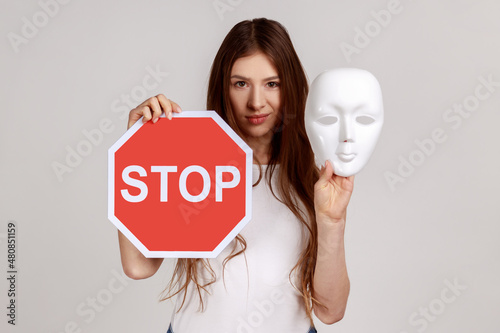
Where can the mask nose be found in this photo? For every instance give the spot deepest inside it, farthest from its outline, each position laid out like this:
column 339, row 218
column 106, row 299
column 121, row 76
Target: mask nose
column 346, row 130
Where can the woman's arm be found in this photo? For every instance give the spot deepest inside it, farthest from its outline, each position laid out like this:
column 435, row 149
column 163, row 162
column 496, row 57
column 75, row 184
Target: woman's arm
column 135, row 264
column 331, row 281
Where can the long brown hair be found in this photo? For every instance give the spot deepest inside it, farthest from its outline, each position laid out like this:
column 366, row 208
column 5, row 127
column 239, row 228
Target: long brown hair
column 290, row 148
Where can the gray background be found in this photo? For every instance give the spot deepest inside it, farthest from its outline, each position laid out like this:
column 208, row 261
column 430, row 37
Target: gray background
column 403, row 242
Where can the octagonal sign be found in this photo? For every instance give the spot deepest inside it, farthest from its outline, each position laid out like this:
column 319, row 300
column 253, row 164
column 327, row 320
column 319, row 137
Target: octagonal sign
column 180, row 188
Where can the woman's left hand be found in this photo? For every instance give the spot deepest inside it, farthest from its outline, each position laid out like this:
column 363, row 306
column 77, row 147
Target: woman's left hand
column 331, row 195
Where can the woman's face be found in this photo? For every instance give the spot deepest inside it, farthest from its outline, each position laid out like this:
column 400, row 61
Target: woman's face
column 255, row 96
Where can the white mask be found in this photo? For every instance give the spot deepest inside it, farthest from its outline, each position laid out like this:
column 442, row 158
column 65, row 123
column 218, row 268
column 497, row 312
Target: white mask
column 344, row 116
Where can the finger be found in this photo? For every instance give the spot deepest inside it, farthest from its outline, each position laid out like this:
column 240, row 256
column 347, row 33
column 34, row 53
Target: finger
column 349, row 184
column 321, row 171
column 155, row 108
column 328, row 170
column 135, row 115
column 325, row 175
column 131, row 121
column 345, row 193
column 345, row 183
column 175, row 107
column 145, row 111
column 166, row 105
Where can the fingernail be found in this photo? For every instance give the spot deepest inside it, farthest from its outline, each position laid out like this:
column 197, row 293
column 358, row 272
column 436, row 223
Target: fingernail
column 170, row 116
column 155, row 120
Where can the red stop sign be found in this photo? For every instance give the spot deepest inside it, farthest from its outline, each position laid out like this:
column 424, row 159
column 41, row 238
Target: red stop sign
column 180, row 188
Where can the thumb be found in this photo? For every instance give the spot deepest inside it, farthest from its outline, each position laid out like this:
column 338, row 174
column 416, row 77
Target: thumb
column 325, row 173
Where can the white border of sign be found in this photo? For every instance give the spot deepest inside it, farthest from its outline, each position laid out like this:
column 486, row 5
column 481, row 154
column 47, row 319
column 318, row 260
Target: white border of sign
column 181, row 254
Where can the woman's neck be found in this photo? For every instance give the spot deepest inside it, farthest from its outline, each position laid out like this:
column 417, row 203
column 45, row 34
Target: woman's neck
column 261, row 148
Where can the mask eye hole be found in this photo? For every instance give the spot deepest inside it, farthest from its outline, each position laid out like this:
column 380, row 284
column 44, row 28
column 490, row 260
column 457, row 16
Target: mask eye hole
column 328, row 120
column 365, row 120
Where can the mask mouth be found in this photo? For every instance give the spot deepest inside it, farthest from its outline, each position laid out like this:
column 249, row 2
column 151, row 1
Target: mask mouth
column 345, row 152
column 346, row 157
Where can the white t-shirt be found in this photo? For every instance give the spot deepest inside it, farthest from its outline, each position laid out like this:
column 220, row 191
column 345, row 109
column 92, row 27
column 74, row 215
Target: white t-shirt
column 258, row 299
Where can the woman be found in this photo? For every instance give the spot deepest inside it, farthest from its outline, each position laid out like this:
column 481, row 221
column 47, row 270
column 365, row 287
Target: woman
column 289, row 261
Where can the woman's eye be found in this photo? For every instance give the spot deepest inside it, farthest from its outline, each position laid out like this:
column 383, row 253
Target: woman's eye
column 273, row 84
column 240, row 84
column 328, row 120
column 365, row 120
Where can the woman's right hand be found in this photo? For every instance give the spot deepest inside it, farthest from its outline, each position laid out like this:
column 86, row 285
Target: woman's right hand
column 152, row 108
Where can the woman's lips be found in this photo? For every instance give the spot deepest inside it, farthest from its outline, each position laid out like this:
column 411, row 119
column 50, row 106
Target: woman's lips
column 257, row 119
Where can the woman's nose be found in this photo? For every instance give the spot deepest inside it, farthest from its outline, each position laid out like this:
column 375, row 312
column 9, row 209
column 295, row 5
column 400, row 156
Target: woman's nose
column 256, row 99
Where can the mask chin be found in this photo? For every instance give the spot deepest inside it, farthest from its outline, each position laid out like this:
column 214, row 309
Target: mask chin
column 341, row 170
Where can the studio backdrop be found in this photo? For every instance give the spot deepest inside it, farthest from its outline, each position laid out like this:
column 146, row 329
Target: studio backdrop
column 423, row 225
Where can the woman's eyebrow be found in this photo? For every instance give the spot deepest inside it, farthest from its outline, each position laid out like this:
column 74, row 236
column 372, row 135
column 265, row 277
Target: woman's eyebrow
column 241, row 77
